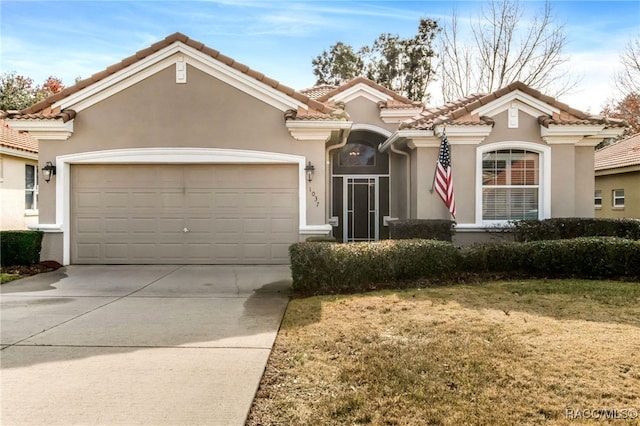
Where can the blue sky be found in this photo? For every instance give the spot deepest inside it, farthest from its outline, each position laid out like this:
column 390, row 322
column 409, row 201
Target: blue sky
column 70, row 39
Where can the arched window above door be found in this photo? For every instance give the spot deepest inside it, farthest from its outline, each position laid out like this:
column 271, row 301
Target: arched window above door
column 360, row 156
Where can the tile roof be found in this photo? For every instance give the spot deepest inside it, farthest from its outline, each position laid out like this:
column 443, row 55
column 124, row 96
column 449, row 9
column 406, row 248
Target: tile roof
column 397, row 99
column 43, row 109
column 317, row 91
column 14, row 139
column 620, row 154
column 460, row 111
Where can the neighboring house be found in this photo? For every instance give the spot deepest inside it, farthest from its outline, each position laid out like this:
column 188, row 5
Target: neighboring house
column 179, row 154
column 18, row 179
column 617, row 186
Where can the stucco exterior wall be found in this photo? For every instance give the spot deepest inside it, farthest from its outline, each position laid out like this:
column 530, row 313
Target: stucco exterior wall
column 571, row 173
column 203, row 113
column 630, row 182
column 12, row 193
column 563, row 181
column 584, row 182
column 363, row 110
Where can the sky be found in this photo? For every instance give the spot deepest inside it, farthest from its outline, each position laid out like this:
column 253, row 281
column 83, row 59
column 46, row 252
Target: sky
column 70, row 39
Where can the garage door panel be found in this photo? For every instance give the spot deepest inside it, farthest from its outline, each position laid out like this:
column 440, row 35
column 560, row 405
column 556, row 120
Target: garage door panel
column 138, row 213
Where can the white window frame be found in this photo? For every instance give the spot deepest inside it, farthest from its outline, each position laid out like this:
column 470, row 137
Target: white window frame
column 615, row 198
column 34, row 190
column 544, row 173
column 597, row 196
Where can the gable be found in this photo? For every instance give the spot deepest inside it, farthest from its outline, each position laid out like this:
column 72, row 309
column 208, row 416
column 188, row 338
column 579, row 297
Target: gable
column 181, row 58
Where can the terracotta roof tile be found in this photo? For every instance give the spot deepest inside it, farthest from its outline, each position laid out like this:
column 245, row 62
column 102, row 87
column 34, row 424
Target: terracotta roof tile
column 15, row 139
column 621, row 154
column 318, row 91
column 358, row 80
column 460, row 109
column 36, row 110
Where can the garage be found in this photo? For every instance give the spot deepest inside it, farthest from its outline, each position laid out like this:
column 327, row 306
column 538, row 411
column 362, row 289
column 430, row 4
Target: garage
column 183, row 213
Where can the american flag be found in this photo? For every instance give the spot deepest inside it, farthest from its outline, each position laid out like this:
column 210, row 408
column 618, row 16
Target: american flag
column 444, row 183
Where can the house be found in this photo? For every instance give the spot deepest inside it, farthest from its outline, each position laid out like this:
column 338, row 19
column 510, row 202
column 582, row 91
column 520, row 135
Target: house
column 617, row 179
column 18, row 179
column 179, row 154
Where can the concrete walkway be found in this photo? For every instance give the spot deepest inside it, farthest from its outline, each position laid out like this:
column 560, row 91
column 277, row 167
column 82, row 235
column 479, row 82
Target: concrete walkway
column 178, row 345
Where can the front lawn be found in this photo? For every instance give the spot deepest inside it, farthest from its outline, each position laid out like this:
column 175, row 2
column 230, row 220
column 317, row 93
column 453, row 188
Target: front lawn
column 498, row 353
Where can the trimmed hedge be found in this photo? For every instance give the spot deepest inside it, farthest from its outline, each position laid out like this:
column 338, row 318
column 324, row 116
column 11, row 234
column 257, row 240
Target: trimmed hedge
column 318, row 268
column 429, row 229
column 20, row 248
column 575, row 227
column 326, row 268
column 587, row 257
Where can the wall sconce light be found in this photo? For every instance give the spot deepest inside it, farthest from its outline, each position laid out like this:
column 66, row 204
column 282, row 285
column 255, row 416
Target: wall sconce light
column 48, row 170
column 309, row 169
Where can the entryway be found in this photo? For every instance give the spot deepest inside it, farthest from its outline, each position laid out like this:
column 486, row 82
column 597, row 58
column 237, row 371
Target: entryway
column 360, row 189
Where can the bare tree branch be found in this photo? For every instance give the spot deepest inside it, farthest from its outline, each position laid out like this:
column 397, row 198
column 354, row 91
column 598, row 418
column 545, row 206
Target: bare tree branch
column 504, row 47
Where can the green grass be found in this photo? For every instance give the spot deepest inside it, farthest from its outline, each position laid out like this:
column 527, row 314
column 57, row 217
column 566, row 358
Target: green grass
column 498, row 353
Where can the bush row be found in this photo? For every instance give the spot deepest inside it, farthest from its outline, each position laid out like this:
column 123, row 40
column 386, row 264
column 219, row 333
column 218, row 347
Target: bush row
column 318, row 268
column 326, row 268
column 20, row 247
column 575, row 227
column 431, row 229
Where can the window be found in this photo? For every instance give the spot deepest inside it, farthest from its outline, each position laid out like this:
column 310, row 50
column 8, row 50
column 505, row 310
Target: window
column 618, row 198
column 31, row 187
column 510, row 184
column 358, row 154
column 597, row 199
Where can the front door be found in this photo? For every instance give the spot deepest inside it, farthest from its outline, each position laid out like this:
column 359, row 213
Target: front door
column 361, row 209
column 360, row 189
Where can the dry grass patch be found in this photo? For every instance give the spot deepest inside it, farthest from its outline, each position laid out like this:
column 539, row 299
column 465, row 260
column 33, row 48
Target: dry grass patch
column 499, row 353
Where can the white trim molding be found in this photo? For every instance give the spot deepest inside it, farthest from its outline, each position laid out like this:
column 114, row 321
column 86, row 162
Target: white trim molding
column 544, row 185
column 527, row 103
column 44, row 129
column 168, row 156
column 360, row 90
column 316, row 130
column 177, row 55
column 398, row 115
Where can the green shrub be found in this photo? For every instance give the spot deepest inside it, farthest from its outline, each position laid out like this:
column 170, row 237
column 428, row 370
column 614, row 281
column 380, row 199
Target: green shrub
column 20, row 247
column 322, row 239
column 587, row 257
column 429, row 229
column 494, row 257
column 320, row 268
column 326, row 268
column 575, row 227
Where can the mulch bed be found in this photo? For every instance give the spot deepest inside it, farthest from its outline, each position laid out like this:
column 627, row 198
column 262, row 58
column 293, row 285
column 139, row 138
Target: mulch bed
column 38, row 268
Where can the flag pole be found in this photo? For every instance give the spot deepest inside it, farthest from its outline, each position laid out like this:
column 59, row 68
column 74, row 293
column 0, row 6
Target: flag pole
column 435, row 170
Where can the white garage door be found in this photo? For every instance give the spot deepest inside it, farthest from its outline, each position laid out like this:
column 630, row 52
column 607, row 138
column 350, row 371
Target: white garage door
column 183, row 214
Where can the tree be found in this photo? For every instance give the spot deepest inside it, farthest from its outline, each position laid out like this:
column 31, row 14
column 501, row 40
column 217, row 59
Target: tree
column 628, row 109
column 18, row 92
column 503, row 47
column 628, row 78
column 339, row 64
column 402, row 65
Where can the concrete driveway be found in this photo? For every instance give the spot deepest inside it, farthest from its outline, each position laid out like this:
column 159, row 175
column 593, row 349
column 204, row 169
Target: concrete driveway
column 179, row 345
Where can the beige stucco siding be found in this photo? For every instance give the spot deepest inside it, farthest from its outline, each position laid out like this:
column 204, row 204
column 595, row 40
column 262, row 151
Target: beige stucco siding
column 630, row 182
column 570, row 178
column 584, row 183
column 12, row 193
column 528, row 129
column 203, row 113
column 364, row 111
column 563, row 180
